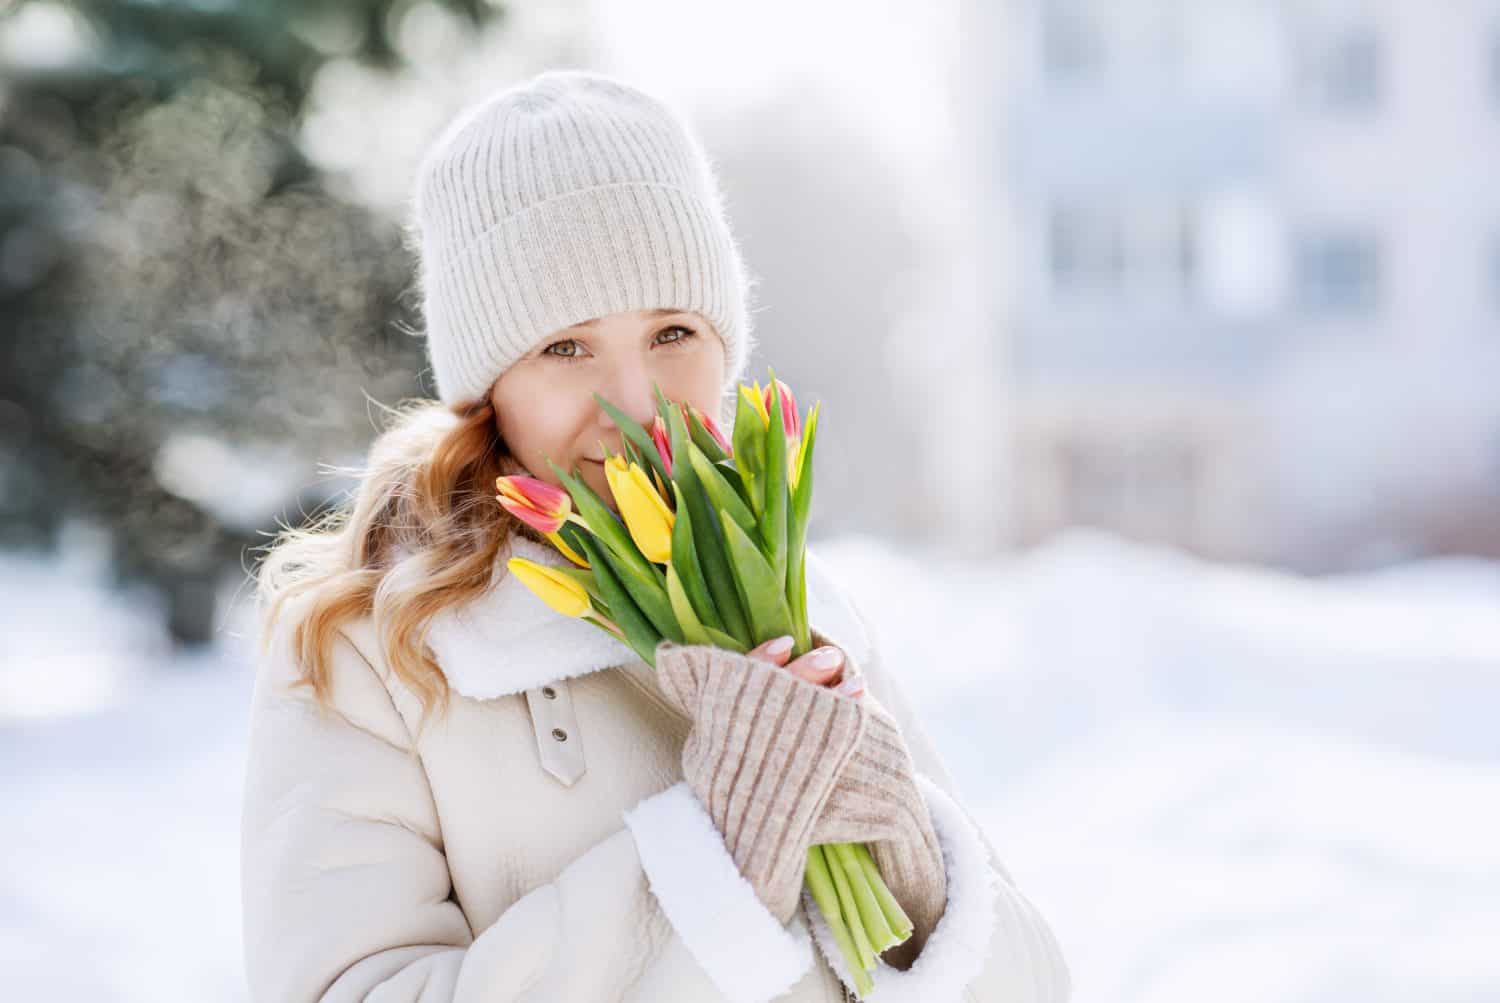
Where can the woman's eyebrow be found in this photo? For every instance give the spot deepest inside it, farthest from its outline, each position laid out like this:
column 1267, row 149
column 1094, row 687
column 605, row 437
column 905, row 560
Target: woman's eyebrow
column 661, row 312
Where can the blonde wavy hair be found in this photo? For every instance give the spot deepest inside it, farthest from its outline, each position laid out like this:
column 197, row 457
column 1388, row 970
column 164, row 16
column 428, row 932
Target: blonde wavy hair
column 421, row 532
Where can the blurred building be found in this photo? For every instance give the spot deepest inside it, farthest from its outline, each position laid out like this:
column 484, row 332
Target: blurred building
column 1256, row 273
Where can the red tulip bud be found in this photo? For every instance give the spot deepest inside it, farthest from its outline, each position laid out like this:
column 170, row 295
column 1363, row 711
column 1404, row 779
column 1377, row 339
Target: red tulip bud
column 663, row 442
column 791, row 421
column 713, row 429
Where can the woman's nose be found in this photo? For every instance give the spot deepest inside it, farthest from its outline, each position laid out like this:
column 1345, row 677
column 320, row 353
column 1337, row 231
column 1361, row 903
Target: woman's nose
column 633, row 395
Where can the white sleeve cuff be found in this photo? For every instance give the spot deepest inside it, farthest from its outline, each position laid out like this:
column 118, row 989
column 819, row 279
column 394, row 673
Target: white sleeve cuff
column 750, row 956
column 958, row 947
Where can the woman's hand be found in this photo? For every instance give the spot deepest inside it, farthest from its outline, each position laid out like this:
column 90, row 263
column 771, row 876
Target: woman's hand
column 863, row 790
column 823, row 666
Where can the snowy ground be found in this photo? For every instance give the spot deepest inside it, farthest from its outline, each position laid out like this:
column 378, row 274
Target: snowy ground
column 1216, row 782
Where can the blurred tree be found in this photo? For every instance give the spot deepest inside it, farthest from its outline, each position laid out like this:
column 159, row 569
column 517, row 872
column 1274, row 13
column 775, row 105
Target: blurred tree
column 173, row 269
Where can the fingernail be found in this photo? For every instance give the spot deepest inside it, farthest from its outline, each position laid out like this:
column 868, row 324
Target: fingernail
column 851, row 687
column 827, row 658
column 780, row 645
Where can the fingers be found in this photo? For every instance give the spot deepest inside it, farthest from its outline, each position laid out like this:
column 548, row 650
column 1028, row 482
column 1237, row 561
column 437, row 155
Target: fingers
column 822, row 666
column 853, row 687
column 774, row 651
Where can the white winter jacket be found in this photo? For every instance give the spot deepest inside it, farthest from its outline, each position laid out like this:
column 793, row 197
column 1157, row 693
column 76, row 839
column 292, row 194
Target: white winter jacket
column 541, row 844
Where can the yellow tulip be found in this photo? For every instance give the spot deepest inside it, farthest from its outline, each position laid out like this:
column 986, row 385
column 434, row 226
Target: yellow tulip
column 615, row 466
column 555, row 589
column 756, row 398
column 646, row 515
column 567, row 551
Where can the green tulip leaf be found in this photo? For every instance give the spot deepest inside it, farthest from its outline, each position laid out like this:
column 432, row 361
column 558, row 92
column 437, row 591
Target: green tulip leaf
column 772, row 524
column 801, row 509
column 607, row 527
column 762, row 591
column 685, row 561
column 636, row 434
column 720, row 492
column 650, row 595
column 708, row 543
column 639, row 633
column 749, row 437
column 692, row 630
column 719, row 639
column 704, row 440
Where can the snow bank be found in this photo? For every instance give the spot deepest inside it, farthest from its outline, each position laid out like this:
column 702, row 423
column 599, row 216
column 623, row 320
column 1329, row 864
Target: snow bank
column 1216, row 782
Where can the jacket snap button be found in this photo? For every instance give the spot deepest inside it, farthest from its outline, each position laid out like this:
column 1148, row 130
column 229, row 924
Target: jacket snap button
column 549, row 693
column 559, row 734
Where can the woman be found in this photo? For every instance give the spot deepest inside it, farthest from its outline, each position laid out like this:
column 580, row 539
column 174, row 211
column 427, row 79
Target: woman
column 455, row 793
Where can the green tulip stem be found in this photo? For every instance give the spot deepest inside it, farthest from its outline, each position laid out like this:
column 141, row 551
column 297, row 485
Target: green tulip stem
column 605, row 625
column 895, row 916
column 850, row 910
column 877, row 930
column 820, row 882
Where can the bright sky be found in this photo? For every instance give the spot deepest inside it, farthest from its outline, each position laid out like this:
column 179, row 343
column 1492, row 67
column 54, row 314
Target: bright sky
column 886, row 62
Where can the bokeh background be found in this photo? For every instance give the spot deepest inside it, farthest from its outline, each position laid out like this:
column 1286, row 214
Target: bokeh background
column 1159, row 342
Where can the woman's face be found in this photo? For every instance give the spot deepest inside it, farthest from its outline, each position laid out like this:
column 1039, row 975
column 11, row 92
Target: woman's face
column 544, row 403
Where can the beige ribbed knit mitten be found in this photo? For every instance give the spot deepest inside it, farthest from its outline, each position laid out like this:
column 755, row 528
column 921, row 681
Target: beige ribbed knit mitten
column 783, row 764
column 876, row 801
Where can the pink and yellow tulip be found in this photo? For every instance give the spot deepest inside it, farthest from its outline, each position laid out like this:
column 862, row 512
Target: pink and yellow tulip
column 791, row 421
column 542, row 506
column 758, row 400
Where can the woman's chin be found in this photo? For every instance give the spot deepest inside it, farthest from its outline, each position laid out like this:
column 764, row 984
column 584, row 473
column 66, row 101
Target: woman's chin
column 602, row 490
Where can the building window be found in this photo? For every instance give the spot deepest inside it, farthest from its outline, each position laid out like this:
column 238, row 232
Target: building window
column 1188, row 254
column 1072, row 42
column 1494, row 66
column 1124, row 248
column 1494, row 271
column 1086, row 249
column 1338, row 271
column 1345, row 72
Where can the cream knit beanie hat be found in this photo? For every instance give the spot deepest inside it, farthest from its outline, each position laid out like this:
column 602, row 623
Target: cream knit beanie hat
column 564, row 198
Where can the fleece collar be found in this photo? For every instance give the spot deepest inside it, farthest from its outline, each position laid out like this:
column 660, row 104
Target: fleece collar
column 507, row 641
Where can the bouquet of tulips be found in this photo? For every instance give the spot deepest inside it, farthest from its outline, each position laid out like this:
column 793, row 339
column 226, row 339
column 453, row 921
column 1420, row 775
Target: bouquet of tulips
column 708, row 548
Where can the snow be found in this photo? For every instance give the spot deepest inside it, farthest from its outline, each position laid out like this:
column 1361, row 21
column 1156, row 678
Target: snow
column 1216, row 782
column 119, row 879
column 1221, row 782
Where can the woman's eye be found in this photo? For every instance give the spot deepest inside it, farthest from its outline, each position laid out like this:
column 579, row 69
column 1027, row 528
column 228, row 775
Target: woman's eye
column 570, row 357
column 687, row 333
